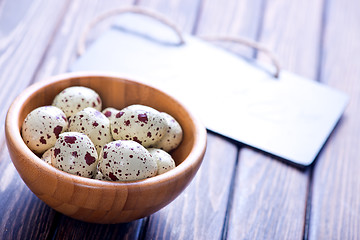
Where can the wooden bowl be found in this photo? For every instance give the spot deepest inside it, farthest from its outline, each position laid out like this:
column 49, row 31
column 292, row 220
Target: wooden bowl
column 104, row 201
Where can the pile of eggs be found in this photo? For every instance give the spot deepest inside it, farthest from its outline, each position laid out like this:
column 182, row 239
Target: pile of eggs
column 74, row 136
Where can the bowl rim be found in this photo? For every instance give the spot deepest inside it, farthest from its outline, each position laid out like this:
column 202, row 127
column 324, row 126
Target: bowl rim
column 194, row 158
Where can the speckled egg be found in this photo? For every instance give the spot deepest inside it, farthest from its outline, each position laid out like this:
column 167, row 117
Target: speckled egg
column 163, row 159
column 138, row 123
column 172, row 136
column 94, row 124
column 47, row 156
column 42, row 127
column 74, row 99
column 126, row 160
column 110, row 112
column 75, row 153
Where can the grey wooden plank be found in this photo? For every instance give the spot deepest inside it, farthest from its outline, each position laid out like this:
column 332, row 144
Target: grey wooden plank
column 231, row 18
column 292, row 30
column 270, row 196
column 336, row 184
column 63, row 50
column 182, row 13
column 26, row 30
column 23, row 215
column 269, row 199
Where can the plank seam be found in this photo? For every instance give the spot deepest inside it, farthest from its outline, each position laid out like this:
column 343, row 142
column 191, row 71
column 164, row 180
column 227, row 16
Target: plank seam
column 199, row 12
column 323, row 24
column 260, row 27
column 229, row 205
column 143, row 228
column 308, row 205
column 54, row 227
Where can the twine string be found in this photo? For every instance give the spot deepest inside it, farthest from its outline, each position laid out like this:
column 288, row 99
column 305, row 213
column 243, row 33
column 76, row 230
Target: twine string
column 248, row 43
column 117, row 11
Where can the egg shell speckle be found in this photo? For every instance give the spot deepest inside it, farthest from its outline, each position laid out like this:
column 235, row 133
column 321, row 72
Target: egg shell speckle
column 139, row 123
column 172, row 136
column 110, row 112
column 99, row 176
column 75, row 153
column 42, row 127
column 163, row 159
column 126, row 160
column 74, row 99
column 94, row 124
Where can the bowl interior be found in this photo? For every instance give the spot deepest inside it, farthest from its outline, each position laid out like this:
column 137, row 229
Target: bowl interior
column 118, row 93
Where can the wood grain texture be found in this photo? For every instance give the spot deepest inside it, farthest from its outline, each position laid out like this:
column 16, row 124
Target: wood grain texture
column 23, row 215
column 261, row 214
column 269, row 199
column 63, row 50
column 182, row 13
column 336, row 183
column 231, row 18
column 25, row 35
column 26, row 29
column 292, row 30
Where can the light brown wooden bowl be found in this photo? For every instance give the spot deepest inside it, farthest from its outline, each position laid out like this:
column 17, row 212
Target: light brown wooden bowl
column 104, row 201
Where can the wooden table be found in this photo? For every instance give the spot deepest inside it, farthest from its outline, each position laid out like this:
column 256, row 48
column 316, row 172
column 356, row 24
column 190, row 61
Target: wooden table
column 239, row 193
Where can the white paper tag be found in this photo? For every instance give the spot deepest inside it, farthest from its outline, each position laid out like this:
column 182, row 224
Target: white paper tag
column 290, row 117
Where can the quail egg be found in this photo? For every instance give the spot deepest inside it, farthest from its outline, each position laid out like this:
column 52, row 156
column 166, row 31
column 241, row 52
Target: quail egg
column 139, row 123
column 126, row 160
column 47, row 156
column 75, row 153
column 92, row 123
column 74, row 99
column 163, row 159
column 42, row 127
column 172, row 136
column 110, row 112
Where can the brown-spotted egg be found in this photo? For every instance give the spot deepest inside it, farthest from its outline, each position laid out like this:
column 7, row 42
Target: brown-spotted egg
column 163, row 159
column 92, row 123
column 139, row 123
column 42, row 127
column 126, row 160
column 47, row 156
column 99, row 176
column 172, row 136
column 75, row 153
column 74, row 99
